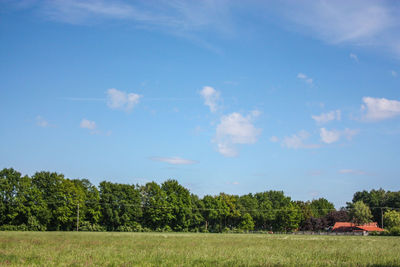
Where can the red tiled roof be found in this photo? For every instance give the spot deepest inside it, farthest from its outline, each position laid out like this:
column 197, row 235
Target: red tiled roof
column 370, row 228
column 348, row 226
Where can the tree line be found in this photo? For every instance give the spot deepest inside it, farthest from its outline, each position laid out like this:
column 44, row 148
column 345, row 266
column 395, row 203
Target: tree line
column 49, row 201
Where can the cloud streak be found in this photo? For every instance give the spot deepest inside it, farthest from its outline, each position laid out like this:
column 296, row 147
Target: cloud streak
column 352, row 171
column 174, row 160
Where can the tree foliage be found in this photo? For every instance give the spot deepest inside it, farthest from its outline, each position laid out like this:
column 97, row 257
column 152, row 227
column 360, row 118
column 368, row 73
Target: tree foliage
column 49, row 201
column 360, row 213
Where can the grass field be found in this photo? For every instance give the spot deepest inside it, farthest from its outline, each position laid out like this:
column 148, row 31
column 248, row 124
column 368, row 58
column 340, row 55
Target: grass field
column 170, row 249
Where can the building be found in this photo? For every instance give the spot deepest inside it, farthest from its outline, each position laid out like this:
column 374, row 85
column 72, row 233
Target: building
column 351, row 227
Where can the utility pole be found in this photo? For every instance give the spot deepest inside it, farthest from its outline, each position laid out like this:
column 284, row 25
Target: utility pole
column 77, row 220
column 382, row 217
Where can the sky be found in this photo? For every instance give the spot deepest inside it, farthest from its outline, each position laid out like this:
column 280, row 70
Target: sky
column 223, row 96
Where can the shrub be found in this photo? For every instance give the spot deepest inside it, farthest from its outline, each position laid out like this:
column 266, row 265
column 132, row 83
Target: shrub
column 87, row 226
column 395, row 231
column 34, row 224
column 7, row 227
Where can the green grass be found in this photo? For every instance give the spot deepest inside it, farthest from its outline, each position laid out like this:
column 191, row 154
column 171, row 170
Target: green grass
column 184, row 249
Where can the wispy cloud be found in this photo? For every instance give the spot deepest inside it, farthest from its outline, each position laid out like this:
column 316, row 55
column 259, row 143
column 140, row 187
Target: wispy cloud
column 305, row 78
column 174, row 160
column 352, row 171
column 394, row 73
column 354, row 57
column 121, row 100
column 211, row 98
column 376, row 109
column 297, row 141
column 327, row 117
column 236, row 129
column 40, row 121
column 360, row 22
column 84, row 99
column 180, row 18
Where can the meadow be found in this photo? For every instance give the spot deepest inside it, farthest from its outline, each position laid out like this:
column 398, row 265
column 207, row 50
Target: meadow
column 187, row 249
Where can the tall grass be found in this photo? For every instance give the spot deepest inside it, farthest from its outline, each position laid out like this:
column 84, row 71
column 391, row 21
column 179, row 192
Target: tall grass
column 184, row 249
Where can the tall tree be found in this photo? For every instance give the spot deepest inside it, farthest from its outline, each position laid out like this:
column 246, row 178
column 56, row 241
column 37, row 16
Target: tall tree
column 360, row 213
column 120, row 204
column 321, row 207
column 179, row 203
column 156, row 211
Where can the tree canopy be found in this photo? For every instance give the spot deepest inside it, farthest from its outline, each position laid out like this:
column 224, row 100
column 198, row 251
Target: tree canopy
column 50, row 201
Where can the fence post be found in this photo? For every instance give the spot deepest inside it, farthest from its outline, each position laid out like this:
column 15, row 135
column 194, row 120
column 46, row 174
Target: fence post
column 77, row 220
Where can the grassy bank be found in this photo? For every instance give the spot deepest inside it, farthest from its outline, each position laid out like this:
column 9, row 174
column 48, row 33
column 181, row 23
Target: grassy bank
column 155, row 249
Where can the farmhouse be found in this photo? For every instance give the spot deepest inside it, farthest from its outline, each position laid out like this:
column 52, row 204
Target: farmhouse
column 351, row 227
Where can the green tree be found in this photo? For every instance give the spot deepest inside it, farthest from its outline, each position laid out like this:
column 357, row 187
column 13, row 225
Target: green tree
column 61, row 196
column 211, row 213
column 180, row 206
column 374, row 199
column 247, row 223
column 89, row 209
column 121, row 206
column 9, row 180
column 229, row 210
column 265, row 216
column 288, row 218
column 391, row 219
column 360, row 213
column 156, row 211
column 197, row 219
column 321, row 207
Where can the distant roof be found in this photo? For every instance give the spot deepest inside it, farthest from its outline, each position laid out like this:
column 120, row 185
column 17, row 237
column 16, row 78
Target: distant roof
column 349, row 226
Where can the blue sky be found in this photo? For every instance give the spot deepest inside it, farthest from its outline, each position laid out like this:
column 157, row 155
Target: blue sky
column 224, row 96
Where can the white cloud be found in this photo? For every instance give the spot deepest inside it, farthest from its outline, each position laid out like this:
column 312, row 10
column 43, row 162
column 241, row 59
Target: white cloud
column 296, row 141
column 174, row 160
column 235, row 129
column 380, row 108
column 87, row 124
column 326, row 117
column 329, row 136
column 305, row 78
column 227, row 149
column 354, row 57
column 351, row 171
column 211, row 97
column 40, row 121
column 274, row 139
column 332, row 136
column 121, row 100
column 394, row 73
